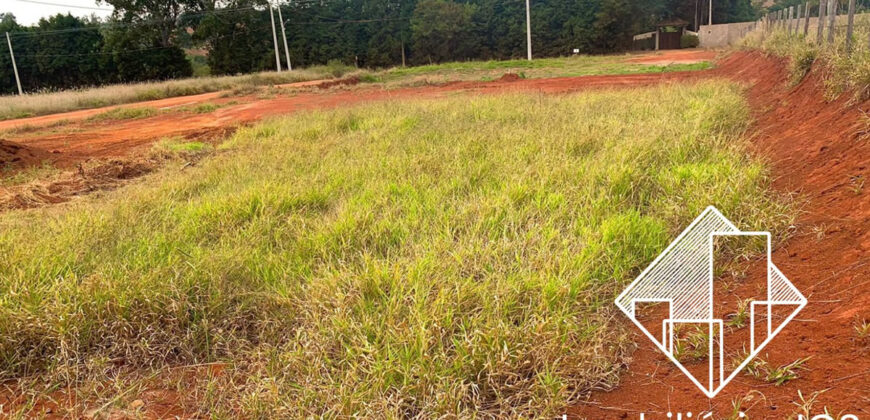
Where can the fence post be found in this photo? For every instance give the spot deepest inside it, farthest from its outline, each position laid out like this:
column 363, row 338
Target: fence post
column 851, row 26
column 823, row 8
column 789, row 20
column 806, row 19
column 797, row 21
column 832, row 20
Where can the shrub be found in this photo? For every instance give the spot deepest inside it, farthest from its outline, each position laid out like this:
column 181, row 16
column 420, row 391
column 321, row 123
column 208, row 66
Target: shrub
column 689, row 41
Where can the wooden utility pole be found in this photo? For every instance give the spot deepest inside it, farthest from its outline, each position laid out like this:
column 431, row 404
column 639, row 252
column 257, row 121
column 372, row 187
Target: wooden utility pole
column 14, row 66
column 851, row 26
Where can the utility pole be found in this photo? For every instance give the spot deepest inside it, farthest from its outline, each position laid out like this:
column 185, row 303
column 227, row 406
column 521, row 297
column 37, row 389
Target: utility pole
column 710, row 19
column 284, row 35
column 528, row 31
column 275, row 39
column 14, row 67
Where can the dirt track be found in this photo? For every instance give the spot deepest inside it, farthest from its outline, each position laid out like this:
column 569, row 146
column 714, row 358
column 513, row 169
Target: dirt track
column 81, row 139
column 818, row 150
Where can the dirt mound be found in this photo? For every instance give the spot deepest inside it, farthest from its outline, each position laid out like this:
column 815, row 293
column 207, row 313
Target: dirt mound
column 90, row 176
column 819, row 151
column 16, row 155
column 349, row 81
column 509, row 77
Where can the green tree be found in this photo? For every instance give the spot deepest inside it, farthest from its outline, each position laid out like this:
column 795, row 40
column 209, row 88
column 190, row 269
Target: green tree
column 442, row 31
column 239, row 42
column 142, row 38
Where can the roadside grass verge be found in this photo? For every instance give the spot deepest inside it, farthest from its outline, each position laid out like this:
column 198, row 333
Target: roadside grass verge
column 452, row 257
column 844, row 71
column 70, row 100
column 579, row 65
column 12, row 107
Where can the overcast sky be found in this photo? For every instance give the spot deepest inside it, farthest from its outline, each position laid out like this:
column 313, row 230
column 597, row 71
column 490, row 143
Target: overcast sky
column 29, row 13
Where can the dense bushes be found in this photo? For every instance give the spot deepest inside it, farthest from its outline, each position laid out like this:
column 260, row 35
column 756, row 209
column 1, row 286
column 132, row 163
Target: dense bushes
column 689, row 41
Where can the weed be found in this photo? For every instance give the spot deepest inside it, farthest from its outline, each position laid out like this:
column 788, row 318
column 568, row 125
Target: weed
column 862, row 330
column 782, row 374
column 204, row 108
column 738, row 319
column 124, row 113
column 856, row 184
column 805, row 406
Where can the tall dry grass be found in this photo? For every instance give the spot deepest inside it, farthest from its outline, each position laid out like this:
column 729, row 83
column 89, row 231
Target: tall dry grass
column 70, row 100
column 454, row 257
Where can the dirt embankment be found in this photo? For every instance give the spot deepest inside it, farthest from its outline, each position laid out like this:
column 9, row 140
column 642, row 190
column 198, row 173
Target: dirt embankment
column 820, row 151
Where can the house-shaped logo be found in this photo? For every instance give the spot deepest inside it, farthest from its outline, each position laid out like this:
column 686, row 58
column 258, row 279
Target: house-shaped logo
column 684, row 301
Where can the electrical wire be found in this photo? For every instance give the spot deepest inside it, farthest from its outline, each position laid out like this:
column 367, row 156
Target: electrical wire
column 71, row 6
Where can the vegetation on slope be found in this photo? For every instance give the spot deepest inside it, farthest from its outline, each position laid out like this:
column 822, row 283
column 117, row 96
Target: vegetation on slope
column 452, row 256
column 845, row 71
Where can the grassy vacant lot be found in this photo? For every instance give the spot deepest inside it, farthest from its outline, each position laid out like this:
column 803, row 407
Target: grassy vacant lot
column 452, row 256
column 70, row 100
column 48, row 103
column 580, row 65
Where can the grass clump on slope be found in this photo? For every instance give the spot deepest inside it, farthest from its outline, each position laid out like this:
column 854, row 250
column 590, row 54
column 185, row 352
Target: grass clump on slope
column 447, row 257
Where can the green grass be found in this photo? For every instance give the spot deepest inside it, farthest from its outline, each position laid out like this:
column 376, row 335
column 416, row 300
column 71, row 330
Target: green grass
column 53, row 102
column 70, row 100
column 579, row 65
column 456, row 256
column 124, row 114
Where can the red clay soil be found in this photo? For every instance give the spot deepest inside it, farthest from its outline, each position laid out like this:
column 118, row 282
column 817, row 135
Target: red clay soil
column 14, row 155
column 82, row 139
column 820, row 151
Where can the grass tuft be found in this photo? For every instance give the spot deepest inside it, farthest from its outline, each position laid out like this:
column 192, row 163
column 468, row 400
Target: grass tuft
column 124, row 114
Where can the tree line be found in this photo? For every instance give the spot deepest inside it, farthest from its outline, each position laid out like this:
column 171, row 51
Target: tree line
column 153, row 40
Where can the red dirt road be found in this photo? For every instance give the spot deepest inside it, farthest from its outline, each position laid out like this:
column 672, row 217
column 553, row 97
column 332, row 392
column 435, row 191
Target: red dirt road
column 820, row 151
column 80, row 140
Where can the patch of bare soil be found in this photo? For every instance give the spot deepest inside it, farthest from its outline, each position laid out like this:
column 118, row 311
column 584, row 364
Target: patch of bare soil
column 509, row 77
column 15, row 155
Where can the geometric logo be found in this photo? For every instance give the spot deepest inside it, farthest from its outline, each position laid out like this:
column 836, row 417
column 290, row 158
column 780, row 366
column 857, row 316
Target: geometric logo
column 709, row 303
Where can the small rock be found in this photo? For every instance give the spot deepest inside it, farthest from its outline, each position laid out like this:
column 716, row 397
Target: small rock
column 137, row 404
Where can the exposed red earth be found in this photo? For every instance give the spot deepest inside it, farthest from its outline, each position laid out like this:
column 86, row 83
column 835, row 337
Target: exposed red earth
column 817, row 149
column 820, row 151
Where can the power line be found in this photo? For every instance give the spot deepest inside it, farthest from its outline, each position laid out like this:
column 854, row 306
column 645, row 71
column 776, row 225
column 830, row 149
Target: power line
column 46, row 3
column 97, row 27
